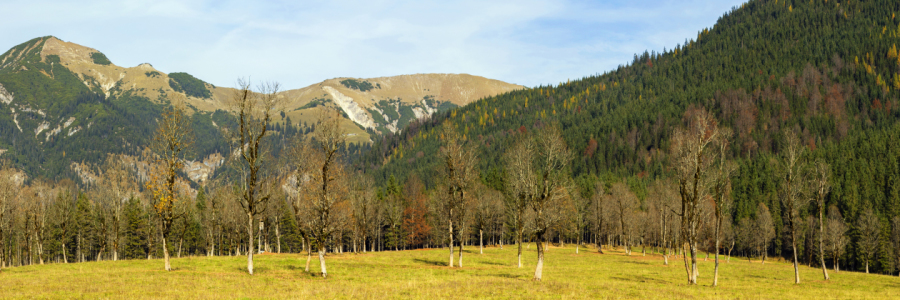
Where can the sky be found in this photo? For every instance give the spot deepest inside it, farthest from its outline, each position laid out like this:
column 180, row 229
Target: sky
column 299, row 43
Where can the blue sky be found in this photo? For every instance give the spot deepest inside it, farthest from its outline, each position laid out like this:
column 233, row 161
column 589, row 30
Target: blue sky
column 298, row 43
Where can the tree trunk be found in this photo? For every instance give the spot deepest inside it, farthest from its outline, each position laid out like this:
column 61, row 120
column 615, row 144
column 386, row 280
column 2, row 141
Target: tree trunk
column 451, row 244
column 821, row 244
column 322, row 261
column 278, row 235
column 836, row 264
column 687, row 265
column 460, row 252
column 666, row 253
column 308, row 254
column 718, row 233
column 519, row 242
column 166, row 254
column 796, row 268
column 540, row 264
column 481, row 241
column 250, row 243
column 259, row 238
column 867, row 266
column 716, row 272
column 66, row 256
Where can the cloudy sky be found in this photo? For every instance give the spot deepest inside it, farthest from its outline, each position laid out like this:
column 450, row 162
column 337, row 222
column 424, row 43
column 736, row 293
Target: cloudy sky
column 298, row 43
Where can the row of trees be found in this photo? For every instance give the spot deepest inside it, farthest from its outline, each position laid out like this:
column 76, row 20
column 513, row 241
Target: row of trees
column 310, row 200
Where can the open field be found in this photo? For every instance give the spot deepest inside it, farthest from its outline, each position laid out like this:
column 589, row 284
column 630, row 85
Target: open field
column 423, row 274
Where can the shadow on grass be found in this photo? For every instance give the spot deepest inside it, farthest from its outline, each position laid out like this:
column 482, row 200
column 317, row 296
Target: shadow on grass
column 255, row 269
column 430, row 262
column 638, row 278
column 494, row 263
column 637, row 262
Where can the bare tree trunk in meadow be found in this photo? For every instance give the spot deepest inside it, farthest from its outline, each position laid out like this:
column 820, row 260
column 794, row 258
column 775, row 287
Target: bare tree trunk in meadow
column 451, row 241
column 481, row 241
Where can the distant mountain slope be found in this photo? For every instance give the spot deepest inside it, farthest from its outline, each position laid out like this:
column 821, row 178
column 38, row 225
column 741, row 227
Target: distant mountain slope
column 61, row 103
column 386, row 104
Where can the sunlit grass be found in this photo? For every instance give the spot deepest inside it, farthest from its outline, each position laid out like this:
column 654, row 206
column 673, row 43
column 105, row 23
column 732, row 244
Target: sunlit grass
column 424, row 274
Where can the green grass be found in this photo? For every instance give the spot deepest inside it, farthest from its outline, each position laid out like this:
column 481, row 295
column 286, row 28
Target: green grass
column 423, row 274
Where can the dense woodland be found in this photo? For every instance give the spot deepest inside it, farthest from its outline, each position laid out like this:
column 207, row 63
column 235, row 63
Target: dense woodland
column 772, row 134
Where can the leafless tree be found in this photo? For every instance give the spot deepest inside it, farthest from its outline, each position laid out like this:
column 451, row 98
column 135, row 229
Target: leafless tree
column 40, row 206
column 722, row 192
column 869, row 229
column 764, row 229
column 366, row 211
column 172, row 139
column 836, row 235
column 487, row 207
column 625, row 203
column 794, row 190
column 599, row 214
column 693, row 153
column 8, row 192
column 254, row 111
column 822, row 187
column 118, row 184
column 540, row 180
column 580, row 217
column 211, row 215
column 458, row 170
column 745, row 235
column 663, row 196
column 519, row 186
column 323, row 183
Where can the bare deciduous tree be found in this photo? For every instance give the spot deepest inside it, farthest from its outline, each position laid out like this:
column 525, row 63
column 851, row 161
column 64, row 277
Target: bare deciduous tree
column 519, row 187
column 625, row 203
column 7, row 194
column 254, row 111
column 722, row 192
column 323, row 183
column 793, row 194
column 663, row 196
column 764, row 230
column 822, row 187
column 118, row 184
column 869, row 229
column 597, row 208
column 836, row 235
column 458, row 167
column 366, row 211
column 693, row 153
column 538, row 178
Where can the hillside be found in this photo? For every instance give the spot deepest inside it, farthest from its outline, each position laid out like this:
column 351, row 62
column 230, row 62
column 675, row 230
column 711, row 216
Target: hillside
column 62, row 103
column 828, row 69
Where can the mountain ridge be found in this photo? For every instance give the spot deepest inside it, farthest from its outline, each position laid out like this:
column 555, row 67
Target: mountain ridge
column 54, row 94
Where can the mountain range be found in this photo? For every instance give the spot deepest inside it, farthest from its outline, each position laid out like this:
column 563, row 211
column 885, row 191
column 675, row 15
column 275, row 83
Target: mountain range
column 60, row 101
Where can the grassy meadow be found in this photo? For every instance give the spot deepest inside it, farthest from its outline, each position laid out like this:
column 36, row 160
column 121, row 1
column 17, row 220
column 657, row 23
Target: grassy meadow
column 424, row 274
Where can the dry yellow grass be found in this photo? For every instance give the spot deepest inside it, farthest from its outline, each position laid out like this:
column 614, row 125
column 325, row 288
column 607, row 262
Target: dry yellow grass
column 422, row 274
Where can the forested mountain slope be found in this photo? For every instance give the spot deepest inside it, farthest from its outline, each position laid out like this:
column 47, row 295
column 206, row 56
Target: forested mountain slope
column 63, row 104
column 826, row 68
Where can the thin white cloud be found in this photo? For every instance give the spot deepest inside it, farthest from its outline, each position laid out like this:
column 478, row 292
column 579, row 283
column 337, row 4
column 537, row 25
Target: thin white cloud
column 300, row 43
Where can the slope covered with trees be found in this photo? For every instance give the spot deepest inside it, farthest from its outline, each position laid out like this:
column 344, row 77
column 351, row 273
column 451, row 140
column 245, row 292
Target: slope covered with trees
column 827, row 70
